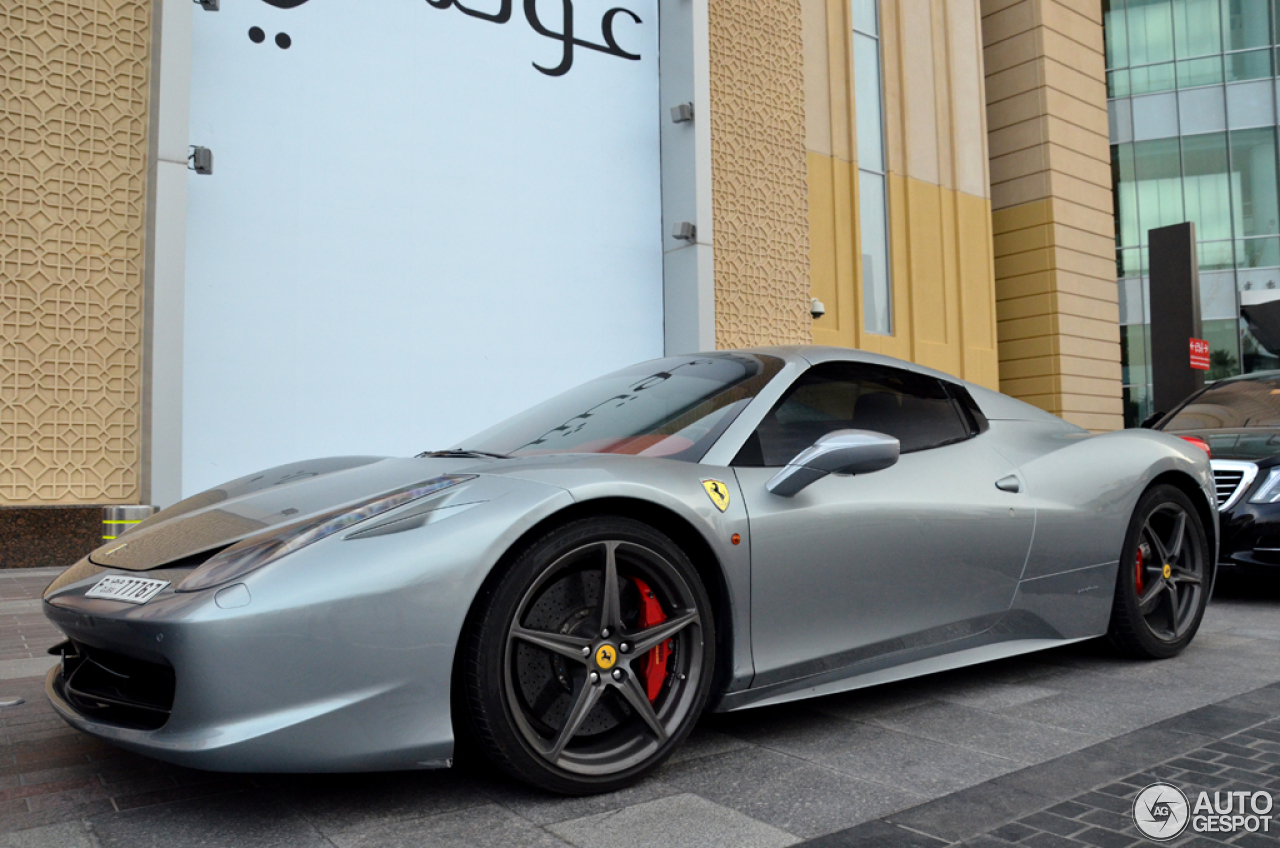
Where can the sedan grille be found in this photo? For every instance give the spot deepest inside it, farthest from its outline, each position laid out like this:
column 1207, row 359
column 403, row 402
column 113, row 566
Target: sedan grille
column 1231, row 478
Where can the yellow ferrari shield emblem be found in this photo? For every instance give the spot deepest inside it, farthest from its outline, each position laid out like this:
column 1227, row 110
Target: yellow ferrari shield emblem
column 1168, row 572
column 718, row 492
column 606, row 656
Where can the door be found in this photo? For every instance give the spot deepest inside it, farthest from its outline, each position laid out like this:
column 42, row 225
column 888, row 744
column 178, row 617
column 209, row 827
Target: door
column 856, row 567
column 422, row 218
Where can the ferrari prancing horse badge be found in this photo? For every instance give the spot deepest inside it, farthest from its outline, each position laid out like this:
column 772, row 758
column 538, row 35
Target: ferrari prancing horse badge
column 718, row 492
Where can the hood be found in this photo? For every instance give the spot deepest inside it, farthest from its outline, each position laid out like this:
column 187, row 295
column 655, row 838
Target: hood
column 202, row 524
column 1254, row 444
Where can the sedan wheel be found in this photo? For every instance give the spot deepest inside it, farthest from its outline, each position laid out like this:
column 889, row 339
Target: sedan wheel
column 590, row 659
column 1163, row 584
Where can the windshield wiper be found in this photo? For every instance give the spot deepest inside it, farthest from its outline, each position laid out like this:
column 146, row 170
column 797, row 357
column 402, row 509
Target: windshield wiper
column 462, row 452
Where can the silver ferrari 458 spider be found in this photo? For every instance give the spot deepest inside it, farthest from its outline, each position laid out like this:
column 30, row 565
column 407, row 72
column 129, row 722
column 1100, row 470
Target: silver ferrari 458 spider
column 574, row 586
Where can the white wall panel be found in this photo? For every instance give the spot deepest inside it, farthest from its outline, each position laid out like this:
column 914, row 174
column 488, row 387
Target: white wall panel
column 411, row 232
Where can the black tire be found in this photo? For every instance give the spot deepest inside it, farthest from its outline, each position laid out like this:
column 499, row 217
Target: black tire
column 1165, row 574
column 559, row 699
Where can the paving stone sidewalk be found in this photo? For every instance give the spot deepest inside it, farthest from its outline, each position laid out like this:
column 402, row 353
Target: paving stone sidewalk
column 1087, row 798
column 950, row 757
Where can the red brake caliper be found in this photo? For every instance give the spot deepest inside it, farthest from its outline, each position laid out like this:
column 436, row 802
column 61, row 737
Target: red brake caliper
column 655, row 664
column 1138, row 574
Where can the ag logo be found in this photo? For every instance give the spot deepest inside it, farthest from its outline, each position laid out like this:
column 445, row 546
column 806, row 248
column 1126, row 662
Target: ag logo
column 1160, row 811
column 606, row 656
column 718, row 492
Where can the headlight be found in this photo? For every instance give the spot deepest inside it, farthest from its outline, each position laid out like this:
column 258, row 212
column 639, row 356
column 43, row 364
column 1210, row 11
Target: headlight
column 251, row 554
column 1270, row 489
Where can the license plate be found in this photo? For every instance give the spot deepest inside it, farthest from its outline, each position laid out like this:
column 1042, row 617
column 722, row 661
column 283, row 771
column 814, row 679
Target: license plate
column 131, row 590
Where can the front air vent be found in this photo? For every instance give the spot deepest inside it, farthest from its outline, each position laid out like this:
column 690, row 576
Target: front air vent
column 1231, row 479
column 115, row 689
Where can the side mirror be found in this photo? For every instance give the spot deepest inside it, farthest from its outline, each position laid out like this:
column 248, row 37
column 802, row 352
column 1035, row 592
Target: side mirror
column 839, row 452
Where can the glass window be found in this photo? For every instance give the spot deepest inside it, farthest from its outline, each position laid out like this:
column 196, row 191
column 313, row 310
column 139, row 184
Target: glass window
column 1197, row 27
column 1116, row 31
column 1207, row 185
column 673, row 408
column 1150, row 31
column 876, row 306
column 1195, row 72
column 1152, row 78
column 873, row 198
column 1258, row 253
column 1137, row 404
column 1133, row 359
column 1130, row 262
column 1118, row 84
column 913, row 408
column 1125, row 198
column 866, row 75
column 1252, row 64
column 1253, row 174
column 866, row 17
column 1223, row 336
column 1158, row 170
column 1246, row 23
column 1216, row 255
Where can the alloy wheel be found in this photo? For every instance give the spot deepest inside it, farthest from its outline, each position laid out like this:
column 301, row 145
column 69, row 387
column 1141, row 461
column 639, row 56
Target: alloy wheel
column 1169, row 573
column 603, row 657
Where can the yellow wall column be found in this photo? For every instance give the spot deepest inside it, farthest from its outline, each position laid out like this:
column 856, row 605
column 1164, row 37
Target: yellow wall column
column 1053, row 218
column 939, row 212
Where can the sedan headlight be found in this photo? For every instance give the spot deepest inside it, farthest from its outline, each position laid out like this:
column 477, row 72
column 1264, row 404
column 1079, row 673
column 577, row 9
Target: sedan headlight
column 251, row 554
column 1269, row 492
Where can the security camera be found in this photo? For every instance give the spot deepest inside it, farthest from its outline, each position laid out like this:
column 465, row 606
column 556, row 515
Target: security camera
column 816, row 308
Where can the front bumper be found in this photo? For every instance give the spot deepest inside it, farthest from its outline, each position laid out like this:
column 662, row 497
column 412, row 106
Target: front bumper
column 1250, row 536
column 266, row 691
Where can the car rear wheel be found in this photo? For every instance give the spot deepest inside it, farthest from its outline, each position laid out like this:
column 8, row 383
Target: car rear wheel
column 590, row 659
column 1163, row 584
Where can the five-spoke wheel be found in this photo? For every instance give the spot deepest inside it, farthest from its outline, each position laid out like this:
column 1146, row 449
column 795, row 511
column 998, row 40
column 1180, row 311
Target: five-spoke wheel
column 591, row 657
column 1164, row 577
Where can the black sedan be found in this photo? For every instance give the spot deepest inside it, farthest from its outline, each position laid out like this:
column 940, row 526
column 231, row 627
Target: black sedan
column 1238, row 421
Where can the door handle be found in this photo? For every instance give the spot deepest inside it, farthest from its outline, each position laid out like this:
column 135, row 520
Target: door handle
column 1009, row 484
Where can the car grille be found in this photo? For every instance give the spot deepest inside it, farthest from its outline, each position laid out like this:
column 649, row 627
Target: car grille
column 1231, row 478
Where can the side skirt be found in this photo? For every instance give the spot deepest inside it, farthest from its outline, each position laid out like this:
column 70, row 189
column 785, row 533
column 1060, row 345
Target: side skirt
column 986, row 649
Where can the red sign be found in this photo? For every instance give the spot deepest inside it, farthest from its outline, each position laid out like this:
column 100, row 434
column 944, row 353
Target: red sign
column 1200, row 354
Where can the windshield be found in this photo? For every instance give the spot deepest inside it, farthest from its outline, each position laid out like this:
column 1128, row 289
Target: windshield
column 674, row 408
column 1229, row 405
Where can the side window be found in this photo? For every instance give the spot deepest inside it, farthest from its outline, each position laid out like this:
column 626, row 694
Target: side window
column 915, row 409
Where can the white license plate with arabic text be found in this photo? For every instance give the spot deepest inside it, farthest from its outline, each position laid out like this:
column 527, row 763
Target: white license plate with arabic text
column 131, row 590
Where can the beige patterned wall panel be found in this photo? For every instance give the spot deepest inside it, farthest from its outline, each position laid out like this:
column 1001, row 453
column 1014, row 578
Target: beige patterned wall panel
column 73, row 159
column 760, row 202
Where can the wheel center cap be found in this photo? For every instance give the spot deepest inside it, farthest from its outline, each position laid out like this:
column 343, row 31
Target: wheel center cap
column 606, row 656
column 1168, row 571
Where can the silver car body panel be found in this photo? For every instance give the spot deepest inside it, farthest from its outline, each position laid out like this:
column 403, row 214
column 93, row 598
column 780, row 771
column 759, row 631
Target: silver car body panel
column 339, row 657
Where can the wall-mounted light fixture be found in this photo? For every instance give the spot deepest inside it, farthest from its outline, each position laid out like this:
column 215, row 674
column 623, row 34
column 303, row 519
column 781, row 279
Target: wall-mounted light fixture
column 682, row 114
column 685, row 231
column 201, row 160
column 208, row 5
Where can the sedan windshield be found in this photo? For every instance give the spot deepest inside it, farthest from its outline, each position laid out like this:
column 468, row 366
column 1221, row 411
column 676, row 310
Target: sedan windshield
column 673, row 408
column 1231, row 404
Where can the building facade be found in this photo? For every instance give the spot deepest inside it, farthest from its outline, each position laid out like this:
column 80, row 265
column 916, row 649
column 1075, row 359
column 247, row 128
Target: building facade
column 1193, row 102
column 412, row 202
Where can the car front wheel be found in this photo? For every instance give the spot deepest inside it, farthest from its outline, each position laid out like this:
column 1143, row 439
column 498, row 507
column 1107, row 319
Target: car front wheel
column 589, row 660
column 1163, row 584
